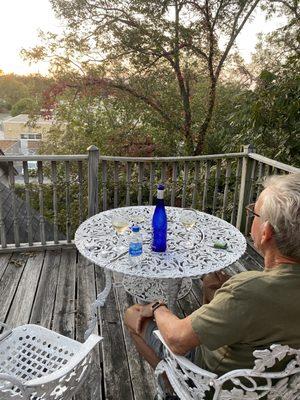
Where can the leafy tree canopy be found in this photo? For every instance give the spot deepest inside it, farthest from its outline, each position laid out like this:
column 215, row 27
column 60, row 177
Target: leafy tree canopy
column 23, row 106
column 114, row 44
column 16, row 87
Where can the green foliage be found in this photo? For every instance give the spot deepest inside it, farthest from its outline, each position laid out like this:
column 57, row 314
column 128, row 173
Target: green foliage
column 4, row 106
column 120, row 45
column 121, row 72
column 269, row 115
column 76, row 212
column 23, row 106
column 16, row 87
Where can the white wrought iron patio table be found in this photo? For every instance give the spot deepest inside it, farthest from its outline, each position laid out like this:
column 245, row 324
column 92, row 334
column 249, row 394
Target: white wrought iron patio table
column 159, row 275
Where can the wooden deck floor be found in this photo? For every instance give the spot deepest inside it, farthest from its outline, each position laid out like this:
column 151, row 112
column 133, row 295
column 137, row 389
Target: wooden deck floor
column 55, row 289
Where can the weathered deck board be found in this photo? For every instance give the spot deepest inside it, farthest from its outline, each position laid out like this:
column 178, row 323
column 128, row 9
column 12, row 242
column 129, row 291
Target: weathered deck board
column 65, row 306
column 117, row 382
column 42, row 312
column 86, row 294
column 21, row 306
column 55, row 288
column 10, row 281
column 142, row 378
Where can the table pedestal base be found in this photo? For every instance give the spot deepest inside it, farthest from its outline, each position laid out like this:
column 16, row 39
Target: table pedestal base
column 100, row 301
column 148, row 290
column 145, row 289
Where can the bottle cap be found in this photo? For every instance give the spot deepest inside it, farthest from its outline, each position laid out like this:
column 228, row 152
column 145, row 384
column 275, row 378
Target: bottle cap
column 161, row 186
column 135, row 228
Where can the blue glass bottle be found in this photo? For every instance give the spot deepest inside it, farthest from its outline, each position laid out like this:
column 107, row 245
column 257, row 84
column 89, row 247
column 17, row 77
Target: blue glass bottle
column 159, row 223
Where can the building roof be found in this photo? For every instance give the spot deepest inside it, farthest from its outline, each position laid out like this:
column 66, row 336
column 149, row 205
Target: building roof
column 24, row 118
column 6, row 144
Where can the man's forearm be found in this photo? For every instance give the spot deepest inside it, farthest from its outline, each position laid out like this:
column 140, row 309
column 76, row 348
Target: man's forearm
column 177, row 333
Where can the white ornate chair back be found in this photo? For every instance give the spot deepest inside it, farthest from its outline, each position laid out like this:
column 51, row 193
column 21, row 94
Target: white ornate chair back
column 193, row 383
column 36, row 363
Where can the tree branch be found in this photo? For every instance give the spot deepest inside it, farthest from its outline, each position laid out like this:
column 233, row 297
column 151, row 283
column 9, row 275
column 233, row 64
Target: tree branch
column 125, row 88
column 234, row 35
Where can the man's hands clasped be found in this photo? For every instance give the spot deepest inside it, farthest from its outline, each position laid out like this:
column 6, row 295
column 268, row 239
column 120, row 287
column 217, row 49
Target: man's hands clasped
column 145, row 312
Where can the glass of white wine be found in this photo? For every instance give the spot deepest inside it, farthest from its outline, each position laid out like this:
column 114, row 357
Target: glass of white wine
column 120, row 225
column 188, row 219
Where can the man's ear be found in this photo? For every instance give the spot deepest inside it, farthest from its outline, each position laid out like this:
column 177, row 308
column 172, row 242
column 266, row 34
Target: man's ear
column 267, row 232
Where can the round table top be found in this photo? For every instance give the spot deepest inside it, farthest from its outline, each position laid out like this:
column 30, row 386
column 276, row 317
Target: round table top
column 96, row 240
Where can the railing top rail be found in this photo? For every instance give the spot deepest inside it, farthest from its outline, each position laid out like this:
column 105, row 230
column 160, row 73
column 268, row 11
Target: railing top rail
column 274, row 163
column 172, row 159
column 78, row 157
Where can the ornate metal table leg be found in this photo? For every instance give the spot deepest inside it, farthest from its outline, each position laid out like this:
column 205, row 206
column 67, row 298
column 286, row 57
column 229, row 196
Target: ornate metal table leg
column 100, row 301
column 149, row 289
column 174, row 286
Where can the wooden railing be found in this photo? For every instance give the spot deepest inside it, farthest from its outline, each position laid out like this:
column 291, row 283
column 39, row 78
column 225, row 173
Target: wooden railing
column 45, row 207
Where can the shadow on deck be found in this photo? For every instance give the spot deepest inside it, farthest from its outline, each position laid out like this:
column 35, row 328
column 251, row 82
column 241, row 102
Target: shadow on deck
column 55, row 289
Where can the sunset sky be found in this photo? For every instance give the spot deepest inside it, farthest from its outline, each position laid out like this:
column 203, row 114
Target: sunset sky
column 21, row 20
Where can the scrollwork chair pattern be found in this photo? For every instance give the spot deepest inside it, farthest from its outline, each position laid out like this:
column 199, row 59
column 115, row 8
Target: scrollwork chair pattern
column 39, row 364
column 193, row 383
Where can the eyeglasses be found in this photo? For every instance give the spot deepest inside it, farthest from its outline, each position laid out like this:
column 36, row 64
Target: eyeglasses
column 250, row 211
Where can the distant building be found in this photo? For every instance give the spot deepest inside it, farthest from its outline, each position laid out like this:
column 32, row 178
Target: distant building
column 21, row 137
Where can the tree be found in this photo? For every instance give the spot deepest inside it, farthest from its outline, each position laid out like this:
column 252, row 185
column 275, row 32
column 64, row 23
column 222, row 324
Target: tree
column 16, row 87
column 268, row 114
column 114, row 45
column 12, row 89
column 23, row 106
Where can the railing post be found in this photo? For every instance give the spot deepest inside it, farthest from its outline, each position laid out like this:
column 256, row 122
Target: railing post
column 93, row 165
column 245, row 187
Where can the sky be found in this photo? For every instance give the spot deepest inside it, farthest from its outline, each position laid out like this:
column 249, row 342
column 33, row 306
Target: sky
column 21, row 20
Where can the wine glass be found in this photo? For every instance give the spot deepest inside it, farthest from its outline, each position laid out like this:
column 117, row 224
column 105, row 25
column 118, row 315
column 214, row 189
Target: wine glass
column 188, row 219
column 120, row 225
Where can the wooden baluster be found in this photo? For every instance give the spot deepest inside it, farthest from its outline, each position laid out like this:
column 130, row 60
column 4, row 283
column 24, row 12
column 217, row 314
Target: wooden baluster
column 27, row 200
column 104, row 184
column 41, row 202
column 116, row 183
column 2, row 225
column 244, row 187
column 252, row 191
column 11, row 177
column 54, row 188
column 93, row 180
column 151, row 183
column 163, row 173
column 195, row 184
column 140, row 182
column 238, row 175
column 268, row 170
column 174, row 183
column 217, row 178
column 251, row 194
column 184, row 183
column 80, row 194
column 226, row 189
column 68, row 205
column 206, row 184
column 128, row 182
column 261, row 169
column 276, row 171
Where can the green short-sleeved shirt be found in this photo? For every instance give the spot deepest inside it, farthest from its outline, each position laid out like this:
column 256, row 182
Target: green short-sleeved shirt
column 250, row 311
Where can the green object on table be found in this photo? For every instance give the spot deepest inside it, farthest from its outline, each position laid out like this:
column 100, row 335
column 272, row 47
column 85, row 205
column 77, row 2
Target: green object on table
column 220, row 245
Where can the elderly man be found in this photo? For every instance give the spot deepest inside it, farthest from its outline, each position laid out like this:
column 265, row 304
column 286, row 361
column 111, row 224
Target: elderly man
column 252, row 309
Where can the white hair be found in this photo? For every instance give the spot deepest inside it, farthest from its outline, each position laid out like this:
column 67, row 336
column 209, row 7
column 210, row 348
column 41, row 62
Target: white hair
column 281, row 207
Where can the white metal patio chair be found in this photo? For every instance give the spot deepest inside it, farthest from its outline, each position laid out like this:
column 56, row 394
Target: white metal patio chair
column 193, row 383
column 37, row 363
